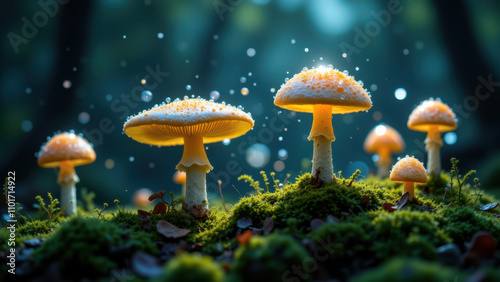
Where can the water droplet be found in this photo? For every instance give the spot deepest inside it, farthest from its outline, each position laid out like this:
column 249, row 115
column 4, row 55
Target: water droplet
column 306, row 50
column 243, row 79
column 214, row 95
column 244, row 91
column 160, row 35
column 131, row 159
column 345, row 72
column 344, row 55
column 361, row 83
column 251, row 52
column 293, row 41
column 342, row 97
column 226, row 142
column 146, row 96
column 188, row 87
column 67, row 84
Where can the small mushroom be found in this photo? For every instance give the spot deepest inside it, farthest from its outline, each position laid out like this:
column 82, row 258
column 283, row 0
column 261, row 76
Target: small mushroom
column 180, row 178
column 384, row 140
column 409, row 171
column 141, row 197
column 66, row 150
column 323, row 91
column 433, row 116
column 192, row 123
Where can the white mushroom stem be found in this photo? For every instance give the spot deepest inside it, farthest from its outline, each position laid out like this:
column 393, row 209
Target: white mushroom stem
column 384, row 162
column 410, row 188
column 196, row 165
column 322, row 134
column 432, row 144
column 67, row 179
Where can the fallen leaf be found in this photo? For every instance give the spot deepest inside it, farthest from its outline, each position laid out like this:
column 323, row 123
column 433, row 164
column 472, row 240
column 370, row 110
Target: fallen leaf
column 402, row 201
column 482, row 246
column 268, row 225
column 156, row 195
column 316, row 223
column 388, row 206
column 143, row 214
column 244, row 222
column 244, row 238
column 169, row 230
column 146, row 265
column 160, row 208
column 489, row 207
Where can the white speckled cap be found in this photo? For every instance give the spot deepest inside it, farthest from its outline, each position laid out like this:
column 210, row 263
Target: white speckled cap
column 409, row 169
column 432, row 113
column 168, row 124
column 326, row 86
column 66, row 147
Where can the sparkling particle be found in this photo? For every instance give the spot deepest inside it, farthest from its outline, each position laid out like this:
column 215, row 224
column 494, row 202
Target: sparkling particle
column 344, row 55
column 109, row 163
column 450, row 138
column 26, row 125
column 109, row 97
column 243, row 79
column 280, row 138
column 282, row 154
column 306, row 50
column 375, row 158
column 380, row 130
column 160, row 35
column 373, row 87
column 214, row 95
column 258, row 155
column 67, row 84
column 273, row 90
column 27, row 90
column 251, row 52
column 226, row 142
column 83, row 118
column 231, row 92
column 400, row 93
column 146, row 96
column 124, row 37
column 188, row 87
column 215, row 37
column 293, row 41
column 250, row 74
column 123, row 63
column 143, row 81
column 279, row 166
column 244, row 91
column 406, row 52
column 357, row 68
column 131, row 159
column 419, row 45
column 377, row 116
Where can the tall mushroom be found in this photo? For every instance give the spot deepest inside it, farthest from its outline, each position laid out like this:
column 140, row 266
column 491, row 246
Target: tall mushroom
column 66, row 150
column 322, row 92
column 384, row 140
column 433, row 116
column 192, row 123
column 409, row 171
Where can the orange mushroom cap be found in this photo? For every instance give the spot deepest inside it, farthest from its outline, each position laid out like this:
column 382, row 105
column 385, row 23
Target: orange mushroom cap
column 179, row 177
column 409, row 169
column 64, row 147
column 168, row 124
column 384, row 136
column 432, row 113
column 325, row 86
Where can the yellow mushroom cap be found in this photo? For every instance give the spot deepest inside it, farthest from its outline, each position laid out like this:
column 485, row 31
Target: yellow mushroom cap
column 409, row 169
column 325, row 86
column 384, row 136
column 168, row 124
column 179, row 177
column 66, row 146
column 432, row 113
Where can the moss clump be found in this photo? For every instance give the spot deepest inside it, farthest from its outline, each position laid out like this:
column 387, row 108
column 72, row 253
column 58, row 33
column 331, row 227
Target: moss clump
column 460, row 223
column 88, row 243
column 268, row 258
column 192, row 268
column 408, row 233
column 409, row 270
column 37, row 227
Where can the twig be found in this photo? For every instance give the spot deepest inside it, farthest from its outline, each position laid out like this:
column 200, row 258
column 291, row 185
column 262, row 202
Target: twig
column 222, row 197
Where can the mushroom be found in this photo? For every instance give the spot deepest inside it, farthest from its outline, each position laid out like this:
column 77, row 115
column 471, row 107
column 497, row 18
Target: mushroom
column 180, row 178
column 192, row 123
column 323, row 91
column 141, row 197
column 409, row 171
column 384, row 140
column 433, row 116
column 66, row 150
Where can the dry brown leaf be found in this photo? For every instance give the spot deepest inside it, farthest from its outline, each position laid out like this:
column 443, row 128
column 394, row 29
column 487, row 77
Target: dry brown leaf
column 157, row 195
column 143, row 214
column 169, row 230
column 160, row 208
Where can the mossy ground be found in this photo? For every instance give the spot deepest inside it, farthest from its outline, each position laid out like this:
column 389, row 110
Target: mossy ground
column 364, row 234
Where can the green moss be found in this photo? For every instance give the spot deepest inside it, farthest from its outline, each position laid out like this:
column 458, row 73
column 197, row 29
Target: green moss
column 268, row 258
column 460, row 223
column 88, row 243
column 408, row 233
column 401, row 269
column 37, row 227
column 192, row 268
